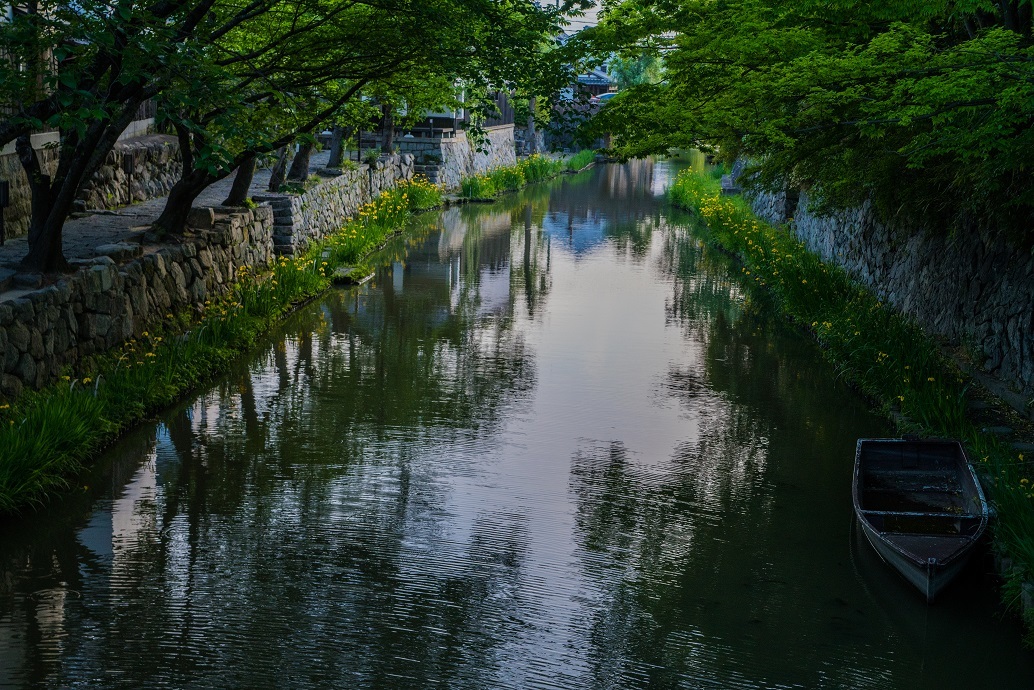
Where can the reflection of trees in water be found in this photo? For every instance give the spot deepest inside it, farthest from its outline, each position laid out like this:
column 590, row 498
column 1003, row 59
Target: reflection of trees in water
column 51, row 561
column 531, row 275
column 505, row 237
column 692, row 556
column 617, row 203
column 300, row 589
column 678, row 596
column 712, row 308
column 297, row 476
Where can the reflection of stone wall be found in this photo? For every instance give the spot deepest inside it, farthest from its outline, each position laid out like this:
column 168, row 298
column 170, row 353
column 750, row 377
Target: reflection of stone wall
column 157, row 166
column 323, row 209
column 967, row 288
column 103, row 303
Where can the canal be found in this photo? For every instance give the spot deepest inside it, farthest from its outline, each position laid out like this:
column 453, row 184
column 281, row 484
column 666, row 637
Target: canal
column 552, row 444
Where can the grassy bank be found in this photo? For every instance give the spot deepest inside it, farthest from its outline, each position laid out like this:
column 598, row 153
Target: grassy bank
column 47, row 436
column 536, row 168
column 877, row 349
column 581, row 159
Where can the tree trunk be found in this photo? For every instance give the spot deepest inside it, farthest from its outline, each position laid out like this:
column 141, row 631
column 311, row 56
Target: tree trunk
column 276, row 175
column 533, row 147
column 173, row 219
column 1024, row 17
column 388, row 129
column 1010, row 15
column 242, row 183
column 300, row 165
column 46, row 252
column 39, row 186
column 337, row 147
column 81, row 156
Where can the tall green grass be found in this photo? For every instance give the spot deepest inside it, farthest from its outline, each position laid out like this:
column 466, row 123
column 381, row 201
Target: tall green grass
column 534, row 168
column 878, row 349
column 47, row 436
column 581, row 159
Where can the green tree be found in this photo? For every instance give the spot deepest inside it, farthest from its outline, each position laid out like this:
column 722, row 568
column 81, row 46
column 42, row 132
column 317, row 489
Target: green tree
column 924, row 109
column 406, row 53
column 235, row 80
column 84, row 69
column 645, row 68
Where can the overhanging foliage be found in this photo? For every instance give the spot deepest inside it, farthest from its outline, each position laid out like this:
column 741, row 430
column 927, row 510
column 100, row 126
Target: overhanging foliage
column 925, row 109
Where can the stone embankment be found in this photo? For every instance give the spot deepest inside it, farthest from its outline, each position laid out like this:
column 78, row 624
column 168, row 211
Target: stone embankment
column 130, row 285
column 136, row 169
column 16, row 215
column 973, row 290
column 104, row 303
column 447, row 161
column 319, row 211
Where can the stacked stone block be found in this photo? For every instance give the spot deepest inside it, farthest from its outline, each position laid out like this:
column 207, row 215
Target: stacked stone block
column 322, row 210
column 156, row 165
column 16, row 216
column 104, row 303
column 968, row 287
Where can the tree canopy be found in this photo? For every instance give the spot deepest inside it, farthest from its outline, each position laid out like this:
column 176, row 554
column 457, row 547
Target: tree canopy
column 923, row 108
column 236, row 79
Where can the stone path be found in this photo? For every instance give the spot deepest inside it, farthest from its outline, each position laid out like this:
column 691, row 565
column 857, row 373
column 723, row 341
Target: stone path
column 84, row 235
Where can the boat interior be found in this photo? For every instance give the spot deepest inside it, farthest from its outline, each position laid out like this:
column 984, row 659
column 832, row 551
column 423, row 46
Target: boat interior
column 918, row 489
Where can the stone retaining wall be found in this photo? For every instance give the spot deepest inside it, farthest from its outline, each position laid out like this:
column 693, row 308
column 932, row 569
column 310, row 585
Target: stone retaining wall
column 16, row 215
column 156, row 167
column 525, row 144
column 461, row 159
column 123, row 293
column 103, row 304
column 448, row 161
column 970, row 289
column 321, row 210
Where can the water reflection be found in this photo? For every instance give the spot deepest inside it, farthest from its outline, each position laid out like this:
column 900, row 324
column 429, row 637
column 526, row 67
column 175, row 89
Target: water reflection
column 618, row 204
column 548, row 446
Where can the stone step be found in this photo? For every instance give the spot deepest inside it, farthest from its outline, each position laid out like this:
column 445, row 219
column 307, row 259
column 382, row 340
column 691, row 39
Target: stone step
column 120, row 251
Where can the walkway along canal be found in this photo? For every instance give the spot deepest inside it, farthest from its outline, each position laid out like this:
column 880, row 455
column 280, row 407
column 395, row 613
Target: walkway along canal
column 550, row 445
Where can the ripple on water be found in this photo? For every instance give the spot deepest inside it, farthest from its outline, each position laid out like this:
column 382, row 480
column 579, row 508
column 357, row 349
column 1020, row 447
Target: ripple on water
column 544, row 448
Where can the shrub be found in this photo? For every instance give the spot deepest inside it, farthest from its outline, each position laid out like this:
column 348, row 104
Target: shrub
column 511, row 178
column 477, row 187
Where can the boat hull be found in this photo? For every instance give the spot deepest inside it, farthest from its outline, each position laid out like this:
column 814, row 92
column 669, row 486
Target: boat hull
column 929, row 578
column 920, row 505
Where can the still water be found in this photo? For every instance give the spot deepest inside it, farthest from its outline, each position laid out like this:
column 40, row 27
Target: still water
column 553, row 444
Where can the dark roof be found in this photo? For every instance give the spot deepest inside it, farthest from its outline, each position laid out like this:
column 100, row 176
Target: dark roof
column 595, row 77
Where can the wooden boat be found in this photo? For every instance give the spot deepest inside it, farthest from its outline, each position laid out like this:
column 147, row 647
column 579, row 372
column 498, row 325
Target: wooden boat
column 921, row 506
